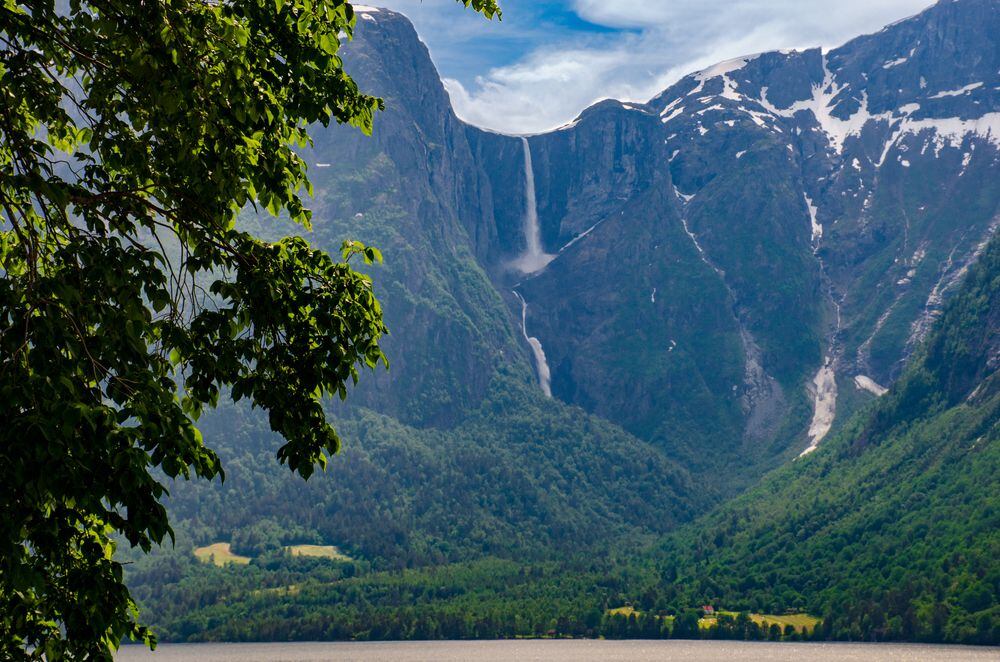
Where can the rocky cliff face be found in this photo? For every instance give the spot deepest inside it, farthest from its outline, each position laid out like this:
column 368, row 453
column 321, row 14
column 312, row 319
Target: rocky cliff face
column 416, row 190
column 762, row 241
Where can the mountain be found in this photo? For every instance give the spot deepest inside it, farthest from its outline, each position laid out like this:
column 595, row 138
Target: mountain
column 518, row 478
column 719, row 270
column 601, row 333
column 800, row 213
column 891, row 531
column 458, row 418
column 407, row 190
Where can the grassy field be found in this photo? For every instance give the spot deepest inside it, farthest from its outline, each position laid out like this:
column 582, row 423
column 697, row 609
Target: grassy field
column 799, row 621
column 319, row 551
column 220, row 554
column 279, row 591
column 627, row 610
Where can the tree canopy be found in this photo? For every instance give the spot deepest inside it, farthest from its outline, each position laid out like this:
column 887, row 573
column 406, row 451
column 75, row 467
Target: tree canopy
column 132, row 134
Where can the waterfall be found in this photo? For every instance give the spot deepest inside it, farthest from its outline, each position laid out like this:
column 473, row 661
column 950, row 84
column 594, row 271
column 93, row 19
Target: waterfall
column 534, row 258
column 544, row 376
column 532, row 233
column 531, row 260
column 815, row 227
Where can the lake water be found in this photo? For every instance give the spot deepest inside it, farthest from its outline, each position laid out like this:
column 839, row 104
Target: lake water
column 555, row 651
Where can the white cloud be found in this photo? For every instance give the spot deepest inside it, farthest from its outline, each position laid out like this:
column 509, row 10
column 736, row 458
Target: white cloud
column 817, row 17
column 552, row 85
column 562, row 72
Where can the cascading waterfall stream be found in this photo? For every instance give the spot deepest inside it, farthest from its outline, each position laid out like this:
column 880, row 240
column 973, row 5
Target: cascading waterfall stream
column 534, row 258
column 541, row 364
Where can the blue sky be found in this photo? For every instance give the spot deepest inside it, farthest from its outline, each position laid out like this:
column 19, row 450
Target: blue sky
column 547, row 60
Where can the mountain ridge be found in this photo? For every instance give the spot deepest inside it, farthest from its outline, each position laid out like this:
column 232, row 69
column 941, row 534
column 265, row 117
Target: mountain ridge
column 717, row 99
column 775, row 266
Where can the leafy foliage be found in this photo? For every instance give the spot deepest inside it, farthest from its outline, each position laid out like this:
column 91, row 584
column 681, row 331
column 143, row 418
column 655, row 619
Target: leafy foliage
column 131, row 135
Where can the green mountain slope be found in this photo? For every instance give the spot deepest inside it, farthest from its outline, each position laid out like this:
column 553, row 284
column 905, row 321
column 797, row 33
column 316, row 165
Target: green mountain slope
column 519, row 477
column 892, row 529
column 520, row 480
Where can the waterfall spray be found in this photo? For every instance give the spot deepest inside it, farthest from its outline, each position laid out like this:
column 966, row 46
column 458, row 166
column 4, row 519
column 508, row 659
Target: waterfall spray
column 534, row 257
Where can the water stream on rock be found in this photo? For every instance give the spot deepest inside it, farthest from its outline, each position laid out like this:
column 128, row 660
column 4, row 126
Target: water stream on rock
column 541, row 364
column 534, row 257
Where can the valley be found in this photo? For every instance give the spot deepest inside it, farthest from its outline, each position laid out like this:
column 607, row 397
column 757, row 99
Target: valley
column 736, row 345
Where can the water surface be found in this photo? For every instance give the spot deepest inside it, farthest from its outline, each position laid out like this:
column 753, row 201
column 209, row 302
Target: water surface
column 555, row 651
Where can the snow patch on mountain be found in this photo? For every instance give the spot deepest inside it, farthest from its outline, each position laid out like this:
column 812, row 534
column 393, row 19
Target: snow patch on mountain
column 685, row 198
column 670, row 106
column 821, row 105
column 824, row 405
column 725, row 67
column 955, row 93
column 677, row 112
column 952, row 131
column 817, row 229
column 578, row 237
column 365, row 12
column 721, row 69
column 866, row 383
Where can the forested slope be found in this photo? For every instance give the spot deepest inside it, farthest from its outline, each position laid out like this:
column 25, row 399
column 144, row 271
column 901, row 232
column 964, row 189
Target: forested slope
column 889, row 531
column 892, row 530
